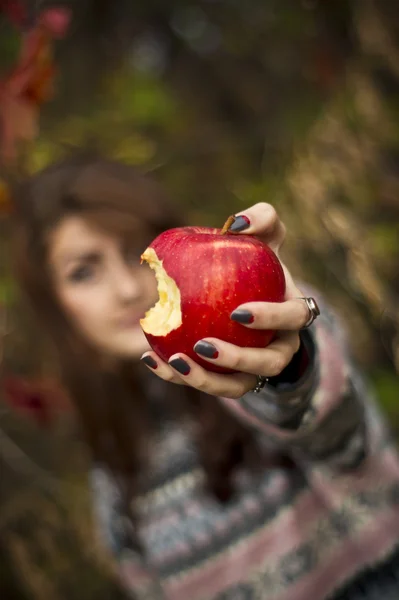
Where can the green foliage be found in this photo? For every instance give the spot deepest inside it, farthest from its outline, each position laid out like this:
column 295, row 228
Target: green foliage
column 141, row 99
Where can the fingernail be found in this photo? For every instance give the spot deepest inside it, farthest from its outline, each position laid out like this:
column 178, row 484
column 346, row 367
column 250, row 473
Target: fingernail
column 180, row 365
column 240, row 223
column 242, row 316
column 150, row 362
column 206, row 349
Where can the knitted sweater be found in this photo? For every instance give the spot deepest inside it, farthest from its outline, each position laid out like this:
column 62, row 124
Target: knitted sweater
column 325, row 528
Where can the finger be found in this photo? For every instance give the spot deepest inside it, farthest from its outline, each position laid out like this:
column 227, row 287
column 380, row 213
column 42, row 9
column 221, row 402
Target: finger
column 155, row 364
column 228, row 386
column 294, row 293
column 291, row 289
column 263, row 221
column 268, row 362
column 290, row 315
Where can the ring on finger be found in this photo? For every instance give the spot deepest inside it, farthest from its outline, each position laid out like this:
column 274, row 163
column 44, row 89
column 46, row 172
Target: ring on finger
column 260, row 383
column 313, row 309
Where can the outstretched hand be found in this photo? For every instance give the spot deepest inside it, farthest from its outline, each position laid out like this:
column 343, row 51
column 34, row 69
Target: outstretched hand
column 287, row 318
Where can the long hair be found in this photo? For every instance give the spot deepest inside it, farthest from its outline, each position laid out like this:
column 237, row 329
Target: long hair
column 111, row 406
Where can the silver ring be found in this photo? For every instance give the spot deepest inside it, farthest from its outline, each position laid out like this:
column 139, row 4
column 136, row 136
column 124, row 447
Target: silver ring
column 260, row 383
column 314, row 311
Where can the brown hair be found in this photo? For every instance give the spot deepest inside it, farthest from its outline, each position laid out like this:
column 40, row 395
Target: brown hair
column 111, row 406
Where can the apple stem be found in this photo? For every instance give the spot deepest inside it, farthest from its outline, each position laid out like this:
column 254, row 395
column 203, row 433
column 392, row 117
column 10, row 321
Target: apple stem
column 227, row 225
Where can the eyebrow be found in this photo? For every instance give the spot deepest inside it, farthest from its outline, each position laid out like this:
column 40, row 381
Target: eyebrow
column 90, row 256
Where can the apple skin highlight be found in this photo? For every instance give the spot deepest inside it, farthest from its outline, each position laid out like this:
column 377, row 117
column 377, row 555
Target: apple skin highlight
column 214, row 274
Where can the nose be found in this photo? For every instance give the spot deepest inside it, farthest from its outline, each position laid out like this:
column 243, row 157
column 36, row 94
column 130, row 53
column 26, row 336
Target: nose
column 126, row 284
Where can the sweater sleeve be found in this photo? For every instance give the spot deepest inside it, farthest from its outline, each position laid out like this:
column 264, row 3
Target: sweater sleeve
column 326, row 414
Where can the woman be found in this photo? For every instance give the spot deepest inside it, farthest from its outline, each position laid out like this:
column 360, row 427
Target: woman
column 207, row 489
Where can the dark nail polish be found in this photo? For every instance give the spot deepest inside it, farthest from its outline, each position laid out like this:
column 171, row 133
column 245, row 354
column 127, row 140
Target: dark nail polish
column 206, row 349
column 150, row 362
column 180, row 365
column 242, row 316
column 240, row 223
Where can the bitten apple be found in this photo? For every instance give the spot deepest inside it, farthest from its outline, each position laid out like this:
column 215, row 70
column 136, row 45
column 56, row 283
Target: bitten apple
column 203, row 274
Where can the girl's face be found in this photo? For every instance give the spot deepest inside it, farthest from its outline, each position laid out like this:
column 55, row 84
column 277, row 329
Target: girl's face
column 102, row 287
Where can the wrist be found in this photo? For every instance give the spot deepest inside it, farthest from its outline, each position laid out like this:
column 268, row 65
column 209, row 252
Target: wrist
column 286, row 398
column 301, row 362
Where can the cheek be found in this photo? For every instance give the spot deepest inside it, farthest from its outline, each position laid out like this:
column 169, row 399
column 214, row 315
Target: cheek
column 85, row 309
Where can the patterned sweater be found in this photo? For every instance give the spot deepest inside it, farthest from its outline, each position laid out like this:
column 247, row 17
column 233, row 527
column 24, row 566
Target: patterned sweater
column 325, row 528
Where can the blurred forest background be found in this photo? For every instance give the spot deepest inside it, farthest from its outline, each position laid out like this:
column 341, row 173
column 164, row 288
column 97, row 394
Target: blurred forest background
column 227, row 102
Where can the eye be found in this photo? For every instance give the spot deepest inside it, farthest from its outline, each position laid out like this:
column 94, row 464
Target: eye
column 82, row 273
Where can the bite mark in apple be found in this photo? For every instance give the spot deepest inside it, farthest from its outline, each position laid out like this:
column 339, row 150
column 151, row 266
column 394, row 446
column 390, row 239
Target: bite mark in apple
column 166, row 315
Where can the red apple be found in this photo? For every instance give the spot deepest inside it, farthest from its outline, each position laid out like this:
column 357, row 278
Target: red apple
column 203, row 274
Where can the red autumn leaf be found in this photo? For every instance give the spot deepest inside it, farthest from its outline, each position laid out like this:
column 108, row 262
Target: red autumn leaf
column 19, row 121
column 56, row 21
column 33, row 77
column 40, row 400
column 34, row 73
column 31, row 82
